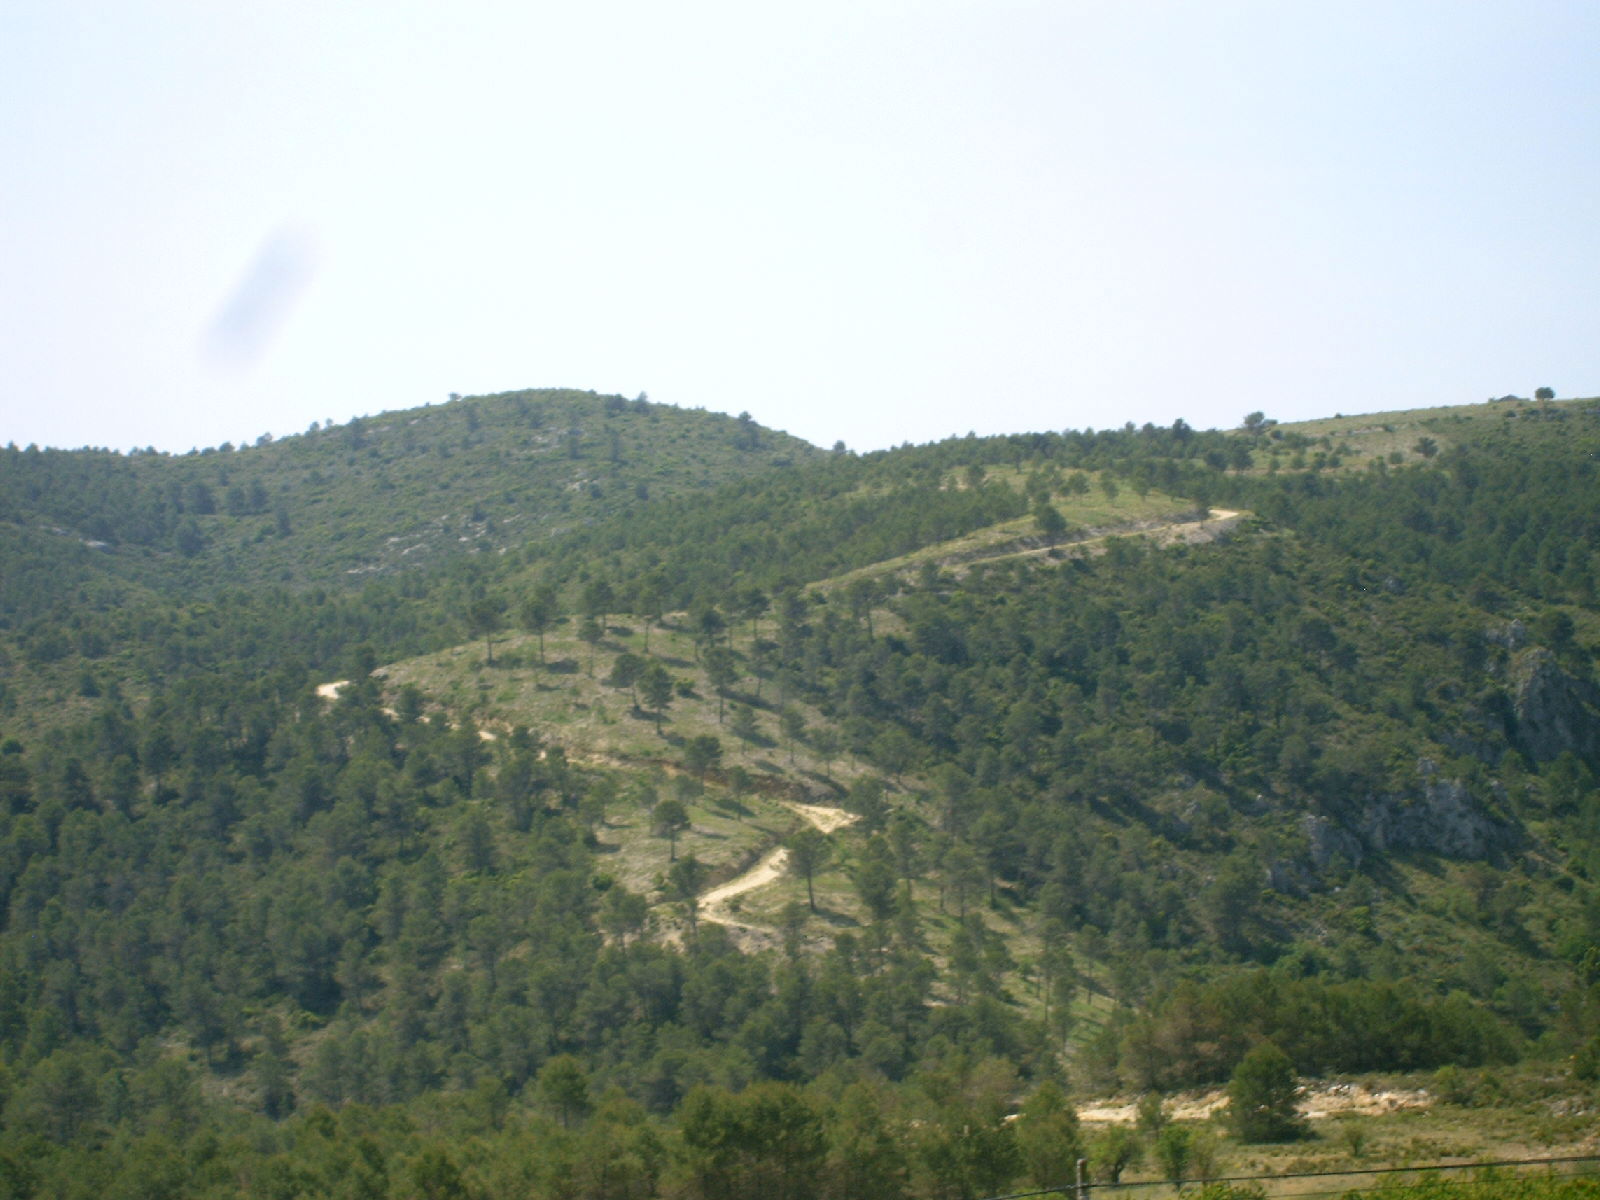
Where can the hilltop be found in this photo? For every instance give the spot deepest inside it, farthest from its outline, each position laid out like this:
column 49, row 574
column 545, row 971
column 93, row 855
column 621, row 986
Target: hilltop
column 374, row 496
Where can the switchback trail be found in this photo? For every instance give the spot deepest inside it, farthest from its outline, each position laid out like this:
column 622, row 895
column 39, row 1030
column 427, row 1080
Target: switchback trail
column 714, row 904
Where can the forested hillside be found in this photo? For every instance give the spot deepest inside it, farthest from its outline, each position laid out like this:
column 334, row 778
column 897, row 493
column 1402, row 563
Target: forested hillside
column 376, row 496
column 1146, row 747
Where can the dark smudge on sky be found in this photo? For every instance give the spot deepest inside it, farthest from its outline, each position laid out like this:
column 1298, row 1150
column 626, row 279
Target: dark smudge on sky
column 246, row 325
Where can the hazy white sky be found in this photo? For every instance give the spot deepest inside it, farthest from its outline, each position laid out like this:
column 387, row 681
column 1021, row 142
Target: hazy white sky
column 870, row 221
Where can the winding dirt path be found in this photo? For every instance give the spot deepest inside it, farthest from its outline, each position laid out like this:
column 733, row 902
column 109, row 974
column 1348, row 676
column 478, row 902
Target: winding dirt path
column 769, row 869
column 1164, row 533
column 1220, row 521
column 715, row 903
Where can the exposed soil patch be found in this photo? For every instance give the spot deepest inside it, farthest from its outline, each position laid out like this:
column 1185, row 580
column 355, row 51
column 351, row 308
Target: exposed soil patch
column 1338, row 1099
column 769, row 869
column 822, row 816
column 1317, row 1102
column 714, row 904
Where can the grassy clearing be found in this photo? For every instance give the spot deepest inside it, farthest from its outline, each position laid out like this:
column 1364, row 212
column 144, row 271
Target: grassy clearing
column 1395, row 437
column 1090, row 516
column 568, row 700
column 737, row 813
column 738, row 810
column 1527, row 1112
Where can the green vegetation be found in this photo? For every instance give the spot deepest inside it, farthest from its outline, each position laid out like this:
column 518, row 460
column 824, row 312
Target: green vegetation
column 1261, row 1097
column 1027, row 768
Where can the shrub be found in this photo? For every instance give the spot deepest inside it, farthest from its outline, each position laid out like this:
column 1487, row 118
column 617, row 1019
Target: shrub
column 1261, row 1097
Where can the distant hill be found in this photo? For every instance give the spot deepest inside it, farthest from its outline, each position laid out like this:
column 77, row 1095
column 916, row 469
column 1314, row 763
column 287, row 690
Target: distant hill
column 374, row 496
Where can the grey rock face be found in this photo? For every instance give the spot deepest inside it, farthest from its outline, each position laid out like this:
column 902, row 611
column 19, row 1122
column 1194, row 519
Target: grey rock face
column 1555, row 711
column 1328, row 841
column 1442, row 818
column 1439, row 816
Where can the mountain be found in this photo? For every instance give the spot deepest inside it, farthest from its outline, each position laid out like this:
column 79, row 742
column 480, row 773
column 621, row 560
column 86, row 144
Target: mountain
column 396, row 768
column 100, row 546
column 372, row 497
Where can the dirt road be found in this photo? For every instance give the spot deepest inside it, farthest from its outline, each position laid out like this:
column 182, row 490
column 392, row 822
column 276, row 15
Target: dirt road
column 715, row 903
column 770, row 868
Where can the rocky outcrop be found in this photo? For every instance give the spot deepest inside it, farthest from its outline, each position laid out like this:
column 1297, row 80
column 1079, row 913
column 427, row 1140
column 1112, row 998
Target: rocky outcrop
column 1442, row 817
column 1513, row 635
column 1439, row 816
column 1555, row 711
column 1328, row 843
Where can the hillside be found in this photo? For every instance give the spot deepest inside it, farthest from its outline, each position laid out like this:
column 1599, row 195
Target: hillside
column 101, row 547
column 375, row 496
column 1070, row 760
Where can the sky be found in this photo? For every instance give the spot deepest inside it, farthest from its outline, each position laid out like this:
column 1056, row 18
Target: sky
column 869, row 221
